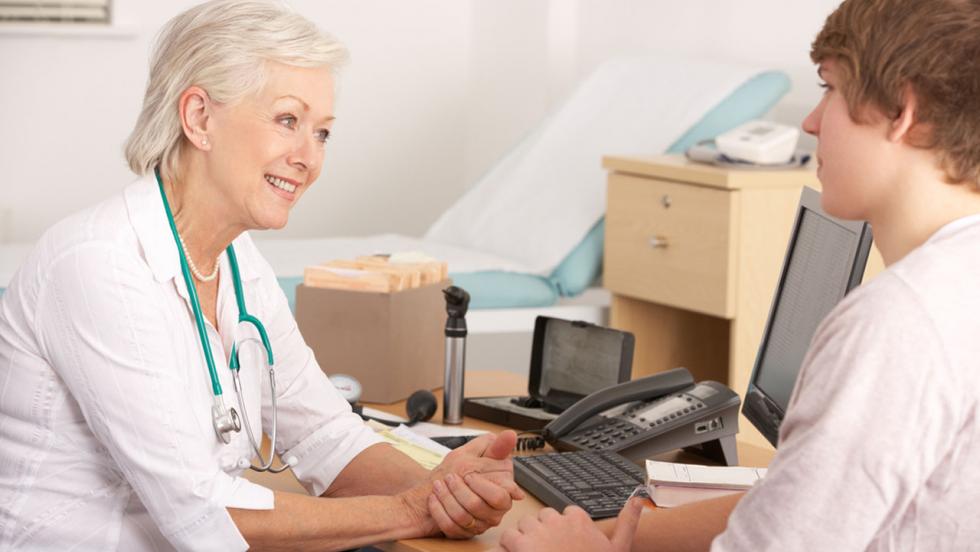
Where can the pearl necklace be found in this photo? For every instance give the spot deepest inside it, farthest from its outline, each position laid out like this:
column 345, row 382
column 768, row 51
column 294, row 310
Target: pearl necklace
column 190, row 262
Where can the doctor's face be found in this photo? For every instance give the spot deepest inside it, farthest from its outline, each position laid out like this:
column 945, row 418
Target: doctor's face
column 268, row 148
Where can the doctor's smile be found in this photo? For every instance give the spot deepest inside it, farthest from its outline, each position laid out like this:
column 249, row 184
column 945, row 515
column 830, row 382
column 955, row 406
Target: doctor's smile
column 282, row 184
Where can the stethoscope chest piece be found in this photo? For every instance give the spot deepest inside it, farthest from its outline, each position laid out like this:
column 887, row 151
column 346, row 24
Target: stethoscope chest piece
column 225, row 421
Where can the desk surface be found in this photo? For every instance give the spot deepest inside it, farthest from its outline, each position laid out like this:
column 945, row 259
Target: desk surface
column 487, row 383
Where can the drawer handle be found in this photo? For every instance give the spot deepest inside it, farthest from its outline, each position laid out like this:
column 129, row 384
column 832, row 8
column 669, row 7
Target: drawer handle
column 658, row 242
column 666, row 201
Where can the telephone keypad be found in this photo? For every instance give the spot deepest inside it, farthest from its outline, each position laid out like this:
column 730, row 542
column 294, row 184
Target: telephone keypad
column 605, row 434
column 637, row 419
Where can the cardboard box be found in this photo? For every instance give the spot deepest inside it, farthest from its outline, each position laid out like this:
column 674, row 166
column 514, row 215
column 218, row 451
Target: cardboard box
column 393, row 343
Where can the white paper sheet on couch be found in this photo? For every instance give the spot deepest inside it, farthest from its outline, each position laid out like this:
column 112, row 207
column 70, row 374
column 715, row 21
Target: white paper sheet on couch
column 538, row 203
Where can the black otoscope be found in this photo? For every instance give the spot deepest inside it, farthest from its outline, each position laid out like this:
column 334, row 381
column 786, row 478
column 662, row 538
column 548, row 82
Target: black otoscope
column 457, row 301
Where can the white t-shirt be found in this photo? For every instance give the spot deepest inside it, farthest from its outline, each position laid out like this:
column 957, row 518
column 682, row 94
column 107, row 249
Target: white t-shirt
column 106, row 438
column 880, row 448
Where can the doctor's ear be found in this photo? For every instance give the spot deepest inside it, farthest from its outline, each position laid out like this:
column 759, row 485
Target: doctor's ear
column 195, row 116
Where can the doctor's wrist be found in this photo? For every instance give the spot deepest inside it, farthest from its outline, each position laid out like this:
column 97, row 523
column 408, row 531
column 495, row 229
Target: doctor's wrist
column 415, row 512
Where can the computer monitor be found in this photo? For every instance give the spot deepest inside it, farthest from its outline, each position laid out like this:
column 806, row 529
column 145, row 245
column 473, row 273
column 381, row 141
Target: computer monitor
column 825, row 259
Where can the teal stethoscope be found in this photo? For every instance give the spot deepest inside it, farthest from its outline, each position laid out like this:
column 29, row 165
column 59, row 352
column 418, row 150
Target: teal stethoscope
column 226, row 420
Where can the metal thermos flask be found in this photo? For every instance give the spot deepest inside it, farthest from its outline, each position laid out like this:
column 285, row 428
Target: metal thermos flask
column 457, row 301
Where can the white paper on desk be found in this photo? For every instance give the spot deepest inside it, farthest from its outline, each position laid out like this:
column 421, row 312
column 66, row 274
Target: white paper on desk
column 380, row 414
column 424, row 428
column 411, row 436
column 710, row 477
column 436, row 430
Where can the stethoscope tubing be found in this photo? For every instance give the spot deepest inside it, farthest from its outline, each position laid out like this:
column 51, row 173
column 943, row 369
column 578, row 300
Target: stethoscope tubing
column 192, row 295
column 218, row 410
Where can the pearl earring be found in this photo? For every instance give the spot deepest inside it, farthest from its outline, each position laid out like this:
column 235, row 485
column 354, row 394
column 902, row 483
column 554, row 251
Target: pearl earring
column 204, row 141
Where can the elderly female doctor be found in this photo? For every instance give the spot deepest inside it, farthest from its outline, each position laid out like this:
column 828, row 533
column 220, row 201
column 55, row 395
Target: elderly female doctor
column 117, row 406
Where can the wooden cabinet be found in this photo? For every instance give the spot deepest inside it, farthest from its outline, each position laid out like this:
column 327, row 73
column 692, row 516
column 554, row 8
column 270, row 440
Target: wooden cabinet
column 670, row 243
column 692, row 256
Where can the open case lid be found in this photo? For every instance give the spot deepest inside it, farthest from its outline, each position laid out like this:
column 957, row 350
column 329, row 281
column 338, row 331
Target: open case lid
column 570, row 360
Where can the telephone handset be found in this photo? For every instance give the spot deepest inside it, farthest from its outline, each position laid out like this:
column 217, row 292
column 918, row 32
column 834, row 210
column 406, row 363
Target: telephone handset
column 604, row 399
column 647, row 416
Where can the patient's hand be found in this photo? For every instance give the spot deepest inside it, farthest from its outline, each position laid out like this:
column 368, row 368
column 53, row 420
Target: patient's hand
column 550, row 531
column 474, row 486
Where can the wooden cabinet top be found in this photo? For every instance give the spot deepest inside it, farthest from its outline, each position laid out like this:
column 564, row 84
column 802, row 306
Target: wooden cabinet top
column 678, row 168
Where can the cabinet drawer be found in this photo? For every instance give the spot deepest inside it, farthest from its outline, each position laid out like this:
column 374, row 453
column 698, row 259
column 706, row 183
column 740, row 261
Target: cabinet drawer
column 671, row 243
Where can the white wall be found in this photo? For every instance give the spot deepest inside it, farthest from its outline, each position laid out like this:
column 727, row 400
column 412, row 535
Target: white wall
column 67, row 105
column 436, row 92
column 769, row 32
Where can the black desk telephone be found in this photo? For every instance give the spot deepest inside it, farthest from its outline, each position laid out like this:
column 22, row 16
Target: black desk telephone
column 647, row 416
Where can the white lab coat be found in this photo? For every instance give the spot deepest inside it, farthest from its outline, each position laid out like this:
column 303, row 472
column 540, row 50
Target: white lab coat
column 106, row 438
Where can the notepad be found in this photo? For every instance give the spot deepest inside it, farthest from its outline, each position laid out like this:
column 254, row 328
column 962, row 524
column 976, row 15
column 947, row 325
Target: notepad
column 672, row 484
column 709, row 477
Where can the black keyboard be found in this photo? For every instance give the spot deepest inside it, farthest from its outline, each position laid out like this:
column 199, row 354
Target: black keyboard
column 598, row 482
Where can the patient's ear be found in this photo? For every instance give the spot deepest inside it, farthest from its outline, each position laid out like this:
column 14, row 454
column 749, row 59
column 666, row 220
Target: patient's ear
column 903, row 126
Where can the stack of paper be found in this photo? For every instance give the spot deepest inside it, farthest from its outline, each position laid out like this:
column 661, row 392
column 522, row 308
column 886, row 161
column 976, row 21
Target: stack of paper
column 377, row 273
column 423, row 450
column 672, row 484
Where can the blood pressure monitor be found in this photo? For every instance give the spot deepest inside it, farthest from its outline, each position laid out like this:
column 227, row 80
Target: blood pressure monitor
column 348, row 386
column 760, row 142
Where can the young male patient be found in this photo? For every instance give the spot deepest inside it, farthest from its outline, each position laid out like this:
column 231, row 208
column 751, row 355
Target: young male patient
column 880, row 448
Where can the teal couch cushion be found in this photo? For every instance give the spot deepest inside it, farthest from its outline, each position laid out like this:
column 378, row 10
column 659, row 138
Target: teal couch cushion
column 493, row 289
column 583, row 265
column 288, row 285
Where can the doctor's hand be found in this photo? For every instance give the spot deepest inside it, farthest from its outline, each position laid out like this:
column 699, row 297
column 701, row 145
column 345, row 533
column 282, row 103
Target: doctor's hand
column 474, row 486
column 550, row 531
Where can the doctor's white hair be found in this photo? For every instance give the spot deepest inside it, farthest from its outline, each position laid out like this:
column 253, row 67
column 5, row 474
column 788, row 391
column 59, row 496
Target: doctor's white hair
column 223, row 47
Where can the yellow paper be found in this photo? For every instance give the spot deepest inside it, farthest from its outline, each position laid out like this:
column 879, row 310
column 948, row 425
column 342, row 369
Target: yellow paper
column 426, row 458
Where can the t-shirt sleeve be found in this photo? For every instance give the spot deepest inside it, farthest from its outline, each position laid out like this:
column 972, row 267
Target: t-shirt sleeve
column 873, row 411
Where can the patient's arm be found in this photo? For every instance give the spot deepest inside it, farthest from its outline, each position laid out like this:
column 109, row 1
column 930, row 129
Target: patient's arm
column 686, row 528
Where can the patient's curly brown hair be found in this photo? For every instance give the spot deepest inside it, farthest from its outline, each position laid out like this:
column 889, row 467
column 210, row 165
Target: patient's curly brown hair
column 883, row 47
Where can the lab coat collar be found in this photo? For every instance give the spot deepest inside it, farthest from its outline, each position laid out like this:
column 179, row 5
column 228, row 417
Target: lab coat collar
column 149, row 220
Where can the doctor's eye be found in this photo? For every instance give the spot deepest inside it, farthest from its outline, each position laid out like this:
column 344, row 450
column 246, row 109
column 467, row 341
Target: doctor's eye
column 322, row 135
column 288, row 121
column 826, row 87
